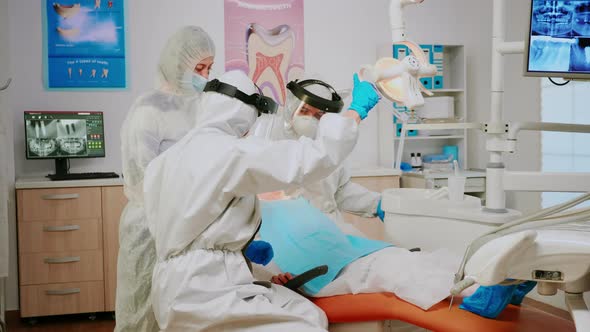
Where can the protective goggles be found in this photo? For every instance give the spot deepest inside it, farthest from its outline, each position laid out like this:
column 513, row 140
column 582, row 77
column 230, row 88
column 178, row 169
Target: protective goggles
column 264, row 105
column 332, row 106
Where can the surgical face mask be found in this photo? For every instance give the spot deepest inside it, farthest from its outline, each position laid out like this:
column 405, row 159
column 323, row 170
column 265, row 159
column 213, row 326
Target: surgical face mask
column 198, row 82
column 193, row 81
column 305, row 125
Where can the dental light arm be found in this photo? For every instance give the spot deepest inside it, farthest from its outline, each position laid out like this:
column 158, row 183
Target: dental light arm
column 396, row 18
column 517, row 127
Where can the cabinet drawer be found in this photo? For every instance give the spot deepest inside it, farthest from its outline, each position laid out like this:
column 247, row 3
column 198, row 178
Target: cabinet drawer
column 60, row 299
column 59, row 204
column 45, row 268
column 51, row 236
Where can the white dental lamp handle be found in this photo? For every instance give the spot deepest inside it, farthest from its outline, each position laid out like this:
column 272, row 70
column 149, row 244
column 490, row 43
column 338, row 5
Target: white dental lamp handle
column 372, row 74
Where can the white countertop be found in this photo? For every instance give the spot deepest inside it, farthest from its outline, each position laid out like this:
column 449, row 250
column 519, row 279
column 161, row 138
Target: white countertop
column 444, row 175
column 363, row 172
column 43, row 183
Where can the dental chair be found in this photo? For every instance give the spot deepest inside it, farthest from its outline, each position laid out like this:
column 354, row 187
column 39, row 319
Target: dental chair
column 551, row 247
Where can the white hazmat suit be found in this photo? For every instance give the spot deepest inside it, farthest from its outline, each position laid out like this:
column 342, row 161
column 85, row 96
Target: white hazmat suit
column 335, row 193
column 202, row 210
column 155, row 122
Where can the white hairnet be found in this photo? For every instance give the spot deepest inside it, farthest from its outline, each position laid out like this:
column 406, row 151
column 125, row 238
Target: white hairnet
column 183, row 51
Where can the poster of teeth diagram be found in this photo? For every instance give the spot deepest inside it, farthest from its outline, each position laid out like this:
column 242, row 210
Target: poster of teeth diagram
column 84, row 44
column 264, row 38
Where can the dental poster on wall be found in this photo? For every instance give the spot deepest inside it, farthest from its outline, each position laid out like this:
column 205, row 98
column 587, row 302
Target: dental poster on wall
column 84, row 44
column 264, row 39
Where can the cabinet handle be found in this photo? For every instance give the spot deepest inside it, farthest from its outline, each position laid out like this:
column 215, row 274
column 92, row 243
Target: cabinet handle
column 61, row 260
column 63, row 291
column 54, row 197
column 65, row 228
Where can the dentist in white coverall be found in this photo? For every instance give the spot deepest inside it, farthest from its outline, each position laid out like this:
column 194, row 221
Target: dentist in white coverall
column 200, row 197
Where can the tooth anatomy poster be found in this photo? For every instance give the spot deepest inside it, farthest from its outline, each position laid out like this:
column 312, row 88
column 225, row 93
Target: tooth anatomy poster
column 264, row 38
column 84, row 44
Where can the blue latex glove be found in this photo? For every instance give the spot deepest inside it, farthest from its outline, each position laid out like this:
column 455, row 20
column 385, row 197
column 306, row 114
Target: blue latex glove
column 364, row 97
column 380, row 213
column 522, row 290
column 489, row 301
column 259, row 252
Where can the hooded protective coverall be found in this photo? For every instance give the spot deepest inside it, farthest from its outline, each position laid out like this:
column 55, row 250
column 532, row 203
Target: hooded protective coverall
column 335, row 193
column 156, row 120
column 202, row 209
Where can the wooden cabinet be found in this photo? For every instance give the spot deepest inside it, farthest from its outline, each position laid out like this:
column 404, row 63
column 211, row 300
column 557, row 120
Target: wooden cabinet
column 372, row 227
column 68, row 242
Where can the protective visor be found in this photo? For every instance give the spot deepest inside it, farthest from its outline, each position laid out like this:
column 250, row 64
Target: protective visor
column 332, row 106
column 263, row 104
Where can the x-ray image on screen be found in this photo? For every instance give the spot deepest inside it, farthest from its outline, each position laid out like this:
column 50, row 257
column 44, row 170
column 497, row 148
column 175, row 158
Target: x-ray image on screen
column 559, row 35
column 56, row 138
column 72, row 137
column 42, row 138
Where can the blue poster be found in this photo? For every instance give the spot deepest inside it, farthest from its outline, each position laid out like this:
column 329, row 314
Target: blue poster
column 85, row 44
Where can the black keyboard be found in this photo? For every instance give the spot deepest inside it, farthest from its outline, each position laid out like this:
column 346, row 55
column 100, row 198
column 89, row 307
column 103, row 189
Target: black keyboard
column 83, row 176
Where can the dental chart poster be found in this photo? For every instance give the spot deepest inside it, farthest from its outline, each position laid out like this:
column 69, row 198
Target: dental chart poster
column 264, row 38
column 84, row 44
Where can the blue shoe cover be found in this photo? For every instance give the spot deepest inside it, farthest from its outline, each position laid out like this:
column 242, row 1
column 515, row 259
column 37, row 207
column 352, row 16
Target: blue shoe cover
column 522, row 290
column 488, row 301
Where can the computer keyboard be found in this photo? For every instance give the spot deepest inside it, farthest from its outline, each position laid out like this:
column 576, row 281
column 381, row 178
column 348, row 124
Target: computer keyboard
column 83, row 176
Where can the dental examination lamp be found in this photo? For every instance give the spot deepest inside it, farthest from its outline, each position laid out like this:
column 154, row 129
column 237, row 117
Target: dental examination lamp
column 399, row 79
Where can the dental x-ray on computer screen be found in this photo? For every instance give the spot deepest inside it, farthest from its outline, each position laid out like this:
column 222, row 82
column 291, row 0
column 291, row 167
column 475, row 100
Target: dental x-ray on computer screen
column 559, row 39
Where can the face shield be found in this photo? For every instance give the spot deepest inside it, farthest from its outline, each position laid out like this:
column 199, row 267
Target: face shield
column 310, row 100
column 265, row 106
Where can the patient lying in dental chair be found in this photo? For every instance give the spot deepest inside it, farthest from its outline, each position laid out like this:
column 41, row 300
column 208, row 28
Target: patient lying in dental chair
column 303, row 237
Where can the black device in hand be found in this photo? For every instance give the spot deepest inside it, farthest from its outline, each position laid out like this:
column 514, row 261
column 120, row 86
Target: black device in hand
column 306, row 276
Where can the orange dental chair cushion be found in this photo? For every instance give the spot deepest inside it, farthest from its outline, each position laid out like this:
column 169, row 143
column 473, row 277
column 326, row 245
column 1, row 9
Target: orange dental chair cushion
column 386, row 306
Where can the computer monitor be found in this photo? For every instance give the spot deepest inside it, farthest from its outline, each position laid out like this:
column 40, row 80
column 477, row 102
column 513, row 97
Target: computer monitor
column 558, row 40
column 64, row 135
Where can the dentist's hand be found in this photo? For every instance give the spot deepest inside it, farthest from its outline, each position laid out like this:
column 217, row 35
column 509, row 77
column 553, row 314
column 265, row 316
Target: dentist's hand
column 364, row 97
